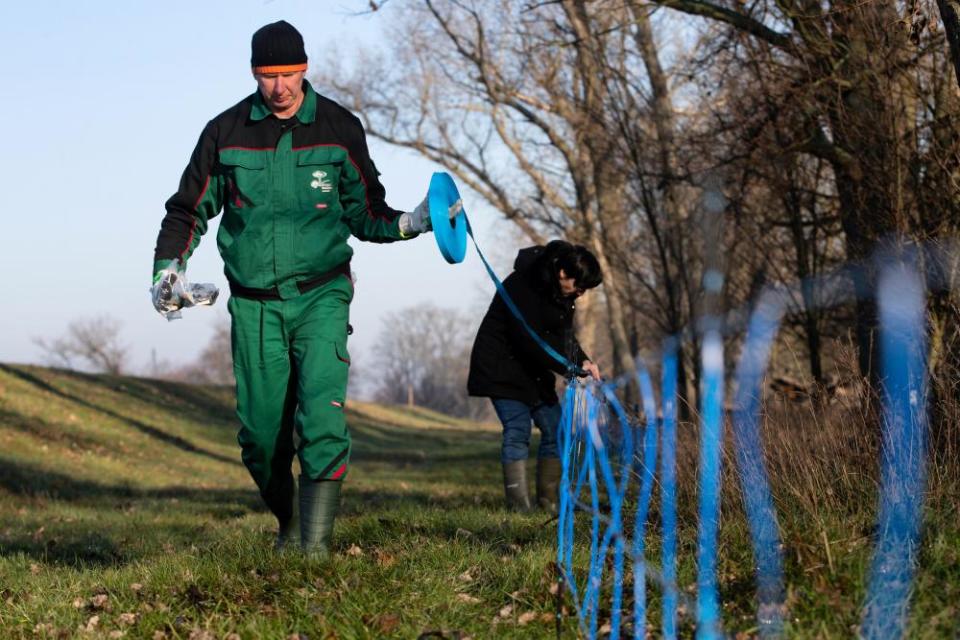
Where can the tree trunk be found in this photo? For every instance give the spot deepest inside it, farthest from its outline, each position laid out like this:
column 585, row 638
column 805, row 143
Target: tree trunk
column 603, row 189
column 950, row 14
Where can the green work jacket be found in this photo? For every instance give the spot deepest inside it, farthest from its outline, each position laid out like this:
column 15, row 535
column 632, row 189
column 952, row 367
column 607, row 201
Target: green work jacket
column 291, row 191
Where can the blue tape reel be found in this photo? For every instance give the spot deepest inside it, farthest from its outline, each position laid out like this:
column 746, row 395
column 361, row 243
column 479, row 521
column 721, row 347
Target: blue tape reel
column 451, row 235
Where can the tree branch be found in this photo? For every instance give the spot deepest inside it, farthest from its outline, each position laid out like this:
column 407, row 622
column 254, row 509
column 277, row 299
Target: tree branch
column 735, row 19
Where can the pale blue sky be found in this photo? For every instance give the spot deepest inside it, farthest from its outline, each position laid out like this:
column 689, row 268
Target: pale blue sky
column 101, row 104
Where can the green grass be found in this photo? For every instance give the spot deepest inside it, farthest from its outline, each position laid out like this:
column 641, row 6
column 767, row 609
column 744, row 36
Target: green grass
column 124, row 512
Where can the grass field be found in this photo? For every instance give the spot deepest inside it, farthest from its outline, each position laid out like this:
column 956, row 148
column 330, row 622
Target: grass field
column 124, row 512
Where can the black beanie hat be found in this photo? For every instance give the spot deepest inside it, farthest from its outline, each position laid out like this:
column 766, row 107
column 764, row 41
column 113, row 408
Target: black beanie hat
column 277, row 48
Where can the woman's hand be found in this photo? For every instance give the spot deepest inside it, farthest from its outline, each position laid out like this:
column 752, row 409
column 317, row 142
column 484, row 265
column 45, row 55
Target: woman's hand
column 592, row 369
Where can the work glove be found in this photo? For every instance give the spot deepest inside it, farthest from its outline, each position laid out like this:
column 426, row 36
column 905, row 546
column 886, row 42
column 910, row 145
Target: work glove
column 418, row 221
column 171, row 292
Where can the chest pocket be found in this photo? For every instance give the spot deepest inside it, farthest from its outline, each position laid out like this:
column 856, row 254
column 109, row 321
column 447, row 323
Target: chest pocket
column 245, row 178
column 318, row 178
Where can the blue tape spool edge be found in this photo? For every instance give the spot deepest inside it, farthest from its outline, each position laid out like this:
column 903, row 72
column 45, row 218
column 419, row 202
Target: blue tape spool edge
column 451, row 238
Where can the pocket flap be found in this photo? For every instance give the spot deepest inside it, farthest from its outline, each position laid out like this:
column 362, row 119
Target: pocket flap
column 321, row 154
column 246, row 158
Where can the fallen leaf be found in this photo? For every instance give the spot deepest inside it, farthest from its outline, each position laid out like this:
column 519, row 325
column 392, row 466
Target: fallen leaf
column 554, row 588
column 354, row 551
column 136, row 587
column 92, row 623
column 232, row 636
column 384, row 559
column 526, row 618
column 79, row 603
column 387, row 622
column 547, row 618
column 34, row 569
column 159, row 635
column 116, row 633
column 465, row 576
column 466, row 597
column 201, row 634
column 505, row 612
column 128, row 618
column 100, row 601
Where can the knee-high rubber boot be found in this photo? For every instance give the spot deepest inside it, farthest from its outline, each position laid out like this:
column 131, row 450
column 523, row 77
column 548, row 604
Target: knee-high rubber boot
column 515, row 485
column 288, row 536
column 280, row 496
column 549, row 472
column 319, row 501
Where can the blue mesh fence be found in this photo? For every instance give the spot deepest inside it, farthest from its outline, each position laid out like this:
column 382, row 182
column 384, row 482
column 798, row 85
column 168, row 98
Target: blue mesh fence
column 610, row 468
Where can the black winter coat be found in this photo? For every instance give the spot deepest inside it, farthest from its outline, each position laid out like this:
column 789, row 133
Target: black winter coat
column 506, row 362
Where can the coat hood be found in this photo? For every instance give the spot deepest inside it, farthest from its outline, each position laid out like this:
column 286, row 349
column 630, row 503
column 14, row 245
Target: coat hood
column 527, row 257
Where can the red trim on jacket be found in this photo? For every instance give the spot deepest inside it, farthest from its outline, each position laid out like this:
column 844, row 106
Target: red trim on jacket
column 193, row 222
column 247, row 148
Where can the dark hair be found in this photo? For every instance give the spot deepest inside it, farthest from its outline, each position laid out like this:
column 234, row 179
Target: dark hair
column 576, row 261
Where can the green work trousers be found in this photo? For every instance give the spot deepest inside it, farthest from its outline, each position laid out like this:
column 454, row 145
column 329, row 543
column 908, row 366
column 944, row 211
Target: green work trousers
column 291, row 362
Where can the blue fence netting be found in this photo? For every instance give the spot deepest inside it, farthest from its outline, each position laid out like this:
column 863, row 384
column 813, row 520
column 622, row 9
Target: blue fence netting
column 610, row 461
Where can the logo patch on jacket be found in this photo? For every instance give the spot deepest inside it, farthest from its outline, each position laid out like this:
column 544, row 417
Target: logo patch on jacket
column 320, row 182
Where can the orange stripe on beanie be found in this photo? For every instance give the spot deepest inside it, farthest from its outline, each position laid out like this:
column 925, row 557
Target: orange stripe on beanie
column 280, row 68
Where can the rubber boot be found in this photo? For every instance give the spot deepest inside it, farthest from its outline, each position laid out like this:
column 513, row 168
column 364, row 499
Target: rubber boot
column 288, row 534
column 281, row 498
column 319, row 501
column 549, row 472
column 515, row 485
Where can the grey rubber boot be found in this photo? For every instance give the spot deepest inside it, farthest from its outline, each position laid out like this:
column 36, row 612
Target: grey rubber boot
column 281, row 498
column 515, row 485
column 319, row 501
column 549, row 473
column 288, row 534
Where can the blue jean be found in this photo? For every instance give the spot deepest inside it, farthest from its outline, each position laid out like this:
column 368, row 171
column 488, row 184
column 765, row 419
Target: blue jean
column 516, row 416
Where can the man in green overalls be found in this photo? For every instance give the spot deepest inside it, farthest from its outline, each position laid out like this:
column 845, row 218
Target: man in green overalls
column 291, row 171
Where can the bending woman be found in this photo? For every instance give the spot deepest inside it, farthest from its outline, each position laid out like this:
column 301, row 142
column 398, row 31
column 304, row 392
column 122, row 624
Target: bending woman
column 518, row 375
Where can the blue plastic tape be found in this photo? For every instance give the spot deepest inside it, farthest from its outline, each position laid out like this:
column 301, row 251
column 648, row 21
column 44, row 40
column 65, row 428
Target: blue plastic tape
column 748, row 451
column 451, row 236
column 711, row 440
column 905, row 424
column 452, row 240
column 668, row 491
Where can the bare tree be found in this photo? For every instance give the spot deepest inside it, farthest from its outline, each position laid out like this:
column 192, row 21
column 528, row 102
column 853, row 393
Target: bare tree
column 950, row 14
column 825, row 128
column 513, row 100
column 214, row 364
column 91, row 342
column 422, row 357
column 864, row 94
